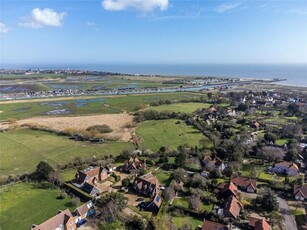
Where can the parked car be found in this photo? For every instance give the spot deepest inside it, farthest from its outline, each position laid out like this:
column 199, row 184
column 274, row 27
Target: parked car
column 140, row 199
column 81, row 222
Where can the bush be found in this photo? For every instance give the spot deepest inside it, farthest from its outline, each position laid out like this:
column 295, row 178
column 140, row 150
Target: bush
column 100, row 129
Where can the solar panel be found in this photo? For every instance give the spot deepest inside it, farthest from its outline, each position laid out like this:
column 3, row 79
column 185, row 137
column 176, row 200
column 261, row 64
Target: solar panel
column 158, row 199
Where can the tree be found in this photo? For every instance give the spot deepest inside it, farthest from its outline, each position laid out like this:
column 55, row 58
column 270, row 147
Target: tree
column 272, row 153
column 291, row 155
column 197, row 181
column 111, row 205
column 125, row 182
column 43, row 170
column 194, row 202
column 210, row 95
column 269, row 202
column 179, row 175
column 180, row 159
column 169, row 193
column 136, row 224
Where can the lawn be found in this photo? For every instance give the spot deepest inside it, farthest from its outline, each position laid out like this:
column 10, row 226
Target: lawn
column 95, row 105
column 167, row 133
column 163, row 177
column 24, row 204
column 179, row 107
column 23, row 148
column 180, row 221
column 299, row 217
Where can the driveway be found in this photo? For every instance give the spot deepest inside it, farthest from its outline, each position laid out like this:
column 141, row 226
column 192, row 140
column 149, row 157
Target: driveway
column 289, row 221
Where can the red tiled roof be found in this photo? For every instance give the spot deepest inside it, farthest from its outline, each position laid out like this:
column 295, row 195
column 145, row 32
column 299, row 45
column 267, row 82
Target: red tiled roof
column 262, row 225
column 83, row 209
column 54, row 222
column 233, row 206
column 228, row 186
column 244, row 181
column 210, row 225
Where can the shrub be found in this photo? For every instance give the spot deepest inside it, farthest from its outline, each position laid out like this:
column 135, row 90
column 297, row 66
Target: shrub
column 100, row 129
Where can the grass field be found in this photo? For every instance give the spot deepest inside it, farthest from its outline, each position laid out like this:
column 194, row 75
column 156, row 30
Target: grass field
column 22, row 149
column 81, row 106
column 166, row 133
column 180, row 221
column 179, row 107
column 24, row 204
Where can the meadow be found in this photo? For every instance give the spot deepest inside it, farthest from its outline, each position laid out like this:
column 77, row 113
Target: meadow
column 167, row 133
column 180, row 107
column 79, row 106
column 22, row 149
column 24, row 204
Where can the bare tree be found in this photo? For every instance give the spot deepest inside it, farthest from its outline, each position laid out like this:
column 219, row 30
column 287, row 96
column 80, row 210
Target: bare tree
column 194, row 202
column 271, row 153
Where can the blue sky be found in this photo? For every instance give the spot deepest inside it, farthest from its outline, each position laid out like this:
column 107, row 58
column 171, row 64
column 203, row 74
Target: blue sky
column 153, row 31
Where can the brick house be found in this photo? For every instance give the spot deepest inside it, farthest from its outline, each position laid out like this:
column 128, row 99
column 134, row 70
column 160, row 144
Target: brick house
column 134, row 165
column 232, row 207
column 147, row 185
column 91, row 175
column 210, row 225
column 300, row 192
column 245, row 183
column 288, row 168
column 228, row 189
column 64, row 220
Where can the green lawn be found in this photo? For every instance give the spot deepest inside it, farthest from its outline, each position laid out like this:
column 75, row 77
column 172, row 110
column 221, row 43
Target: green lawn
column 22, row 149
column 24, row 204
column 68, row 174
column 167, row 133
column 163, row 177
column 179, row 107
column 281, row 141
column 299, row 217
column 94, row 105
column 179, row 221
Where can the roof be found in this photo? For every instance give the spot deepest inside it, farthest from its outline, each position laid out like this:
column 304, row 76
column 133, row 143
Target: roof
column 157, row 201
column 262, row 225
column 84, row 208
column 210, row 225
column 244, row 181
column 60, row 219
column 90, row 172
column 300, row 190
column 147, row 182
column 287, row 164
column 253, row 219
column 233, row 206
column 230, row 187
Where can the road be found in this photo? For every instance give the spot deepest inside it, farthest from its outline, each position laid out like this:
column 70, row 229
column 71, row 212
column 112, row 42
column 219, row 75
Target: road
column 289, row 221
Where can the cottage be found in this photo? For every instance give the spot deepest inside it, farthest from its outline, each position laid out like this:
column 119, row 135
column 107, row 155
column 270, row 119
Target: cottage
column 134, row 165
column 91, row 175
column 245, row 183
column 212, row 163
column 288, row 168
column 64, row 220
column 155, row 204
column 228, row 189
column 210, row 225
column 232, row 207
column 300, row 192
column 148, row 185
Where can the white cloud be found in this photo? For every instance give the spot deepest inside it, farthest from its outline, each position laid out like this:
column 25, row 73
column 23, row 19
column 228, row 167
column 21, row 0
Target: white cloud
column 43, row 17
column 140, row 5
column 227, row 6
column 91, row 24
column 4, row 28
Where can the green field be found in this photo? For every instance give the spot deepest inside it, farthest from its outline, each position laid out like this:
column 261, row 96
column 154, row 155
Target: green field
column 179, row 107
column 180, row 221
column 81, row 106
column 166, row 133
column 24, row 204
column 22, row 149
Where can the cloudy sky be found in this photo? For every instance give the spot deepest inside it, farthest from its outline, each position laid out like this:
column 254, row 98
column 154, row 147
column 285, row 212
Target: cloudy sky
column 153, row 31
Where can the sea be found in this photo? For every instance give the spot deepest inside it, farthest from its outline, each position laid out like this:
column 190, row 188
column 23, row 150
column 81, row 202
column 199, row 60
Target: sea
column 296, row 74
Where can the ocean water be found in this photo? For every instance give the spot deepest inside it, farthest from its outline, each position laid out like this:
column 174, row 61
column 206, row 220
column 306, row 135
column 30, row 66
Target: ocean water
column 296, row 74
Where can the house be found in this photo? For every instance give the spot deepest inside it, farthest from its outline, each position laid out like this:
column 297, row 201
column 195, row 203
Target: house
column 300, row 192
column 84, row 211
column 134, row 165
column 228, row 189
column 91, row 175
column 257, row 222
column 110, row 168
column 210, row 225
column 212, row 163
column 64, row 220
column 288, row 168
column 147, row 185
column 155, row 204
column 90, row 189
column 254, row 125
column 232, row 207
column 245, row 183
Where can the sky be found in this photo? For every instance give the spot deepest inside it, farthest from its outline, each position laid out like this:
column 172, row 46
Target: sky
column 50, row 32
